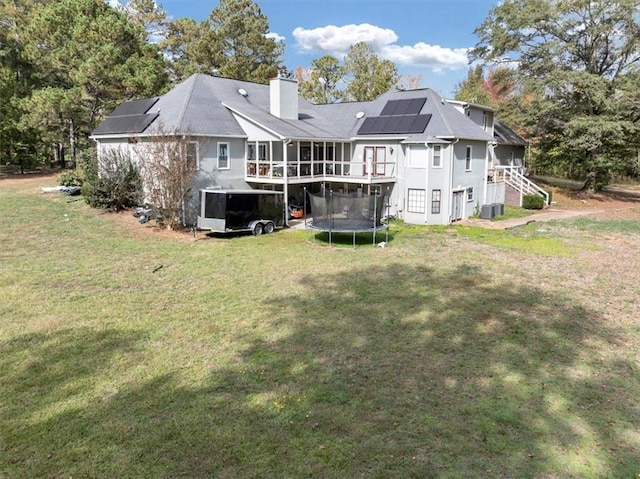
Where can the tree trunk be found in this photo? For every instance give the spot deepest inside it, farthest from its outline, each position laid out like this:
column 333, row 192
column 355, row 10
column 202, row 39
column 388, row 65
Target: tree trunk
column 72, row 143
column 591, row 182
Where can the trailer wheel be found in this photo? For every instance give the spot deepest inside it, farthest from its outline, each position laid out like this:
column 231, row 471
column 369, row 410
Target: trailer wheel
column 257, row 229
column 269, row 227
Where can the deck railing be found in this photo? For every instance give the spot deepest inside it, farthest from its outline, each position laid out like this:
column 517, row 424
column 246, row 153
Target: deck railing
column 331, row 170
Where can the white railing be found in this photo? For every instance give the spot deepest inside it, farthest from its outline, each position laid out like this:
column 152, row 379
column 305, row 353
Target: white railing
column 296, row 170
column 512, row 176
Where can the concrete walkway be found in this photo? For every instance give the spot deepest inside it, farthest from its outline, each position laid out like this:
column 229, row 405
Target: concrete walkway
column 548, row 214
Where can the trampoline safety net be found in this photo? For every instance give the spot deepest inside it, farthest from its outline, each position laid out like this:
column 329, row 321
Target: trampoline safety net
column 346, row 213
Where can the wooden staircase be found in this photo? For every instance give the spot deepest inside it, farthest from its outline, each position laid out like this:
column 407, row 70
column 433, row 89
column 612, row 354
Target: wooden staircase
column 523, row 185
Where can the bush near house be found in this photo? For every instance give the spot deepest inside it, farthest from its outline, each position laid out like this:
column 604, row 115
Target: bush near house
column 532, row 202
column 117, row 187
column 69, row 178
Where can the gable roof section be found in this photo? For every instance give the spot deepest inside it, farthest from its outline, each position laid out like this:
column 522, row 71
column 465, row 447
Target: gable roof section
column 506, row 136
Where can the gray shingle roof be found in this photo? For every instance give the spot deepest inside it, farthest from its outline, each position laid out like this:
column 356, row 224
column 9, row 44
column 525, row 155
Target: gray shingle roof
column 205, row 106
column 506, row 136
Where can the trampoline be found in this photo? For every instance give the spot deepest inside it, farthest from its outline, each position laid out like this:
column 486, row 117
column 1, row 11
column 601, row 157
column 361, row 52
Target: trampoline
column 347, row 213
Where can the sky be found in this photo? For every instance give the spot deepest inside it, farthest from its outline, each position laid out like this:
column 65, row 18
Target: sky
column 428, row 37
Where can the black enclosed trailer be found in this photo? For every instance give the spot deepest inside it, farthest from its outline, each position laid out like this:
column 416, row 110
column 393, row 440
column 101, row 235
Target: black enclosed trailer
column 225, row 211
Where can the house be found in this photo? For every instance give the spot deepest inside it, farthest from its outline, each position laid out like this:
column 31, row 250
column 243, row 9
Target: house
column 434, row 159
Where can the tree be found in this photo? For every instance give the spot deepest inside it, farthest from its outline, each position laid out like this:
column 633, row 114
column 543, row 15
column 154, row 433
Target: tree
column 321, row 83
column 168, row 166
column 246, row 50
column 190, row 47
column 367, row 76
column 87, row 57
column 411, row 82
column 578, row 59
column 473, row 88
column 232, row 42
column 364, row 75
column 18, row 145
column 149, row 14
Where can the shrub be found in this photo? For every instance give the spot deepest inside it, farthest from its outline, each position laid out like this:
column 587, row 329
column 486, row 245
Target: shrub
column 69, row 178
column 532, row 202
column 112, row 183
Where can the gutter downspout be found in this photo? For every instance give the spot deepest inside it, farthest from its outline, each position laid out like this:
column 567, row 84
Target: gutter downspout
column 426, row 185
column 452, row 145
column 285, row 177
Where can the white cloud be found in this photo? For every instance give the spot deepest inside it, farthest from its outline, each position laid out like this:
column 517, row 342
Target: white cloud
column 276, row 36
column 335, row 40
column 421, row 54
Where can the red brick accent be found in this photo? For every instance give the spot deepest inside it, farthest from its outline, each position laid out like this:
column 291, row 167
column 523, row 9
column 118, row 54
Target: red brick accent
column 511, row 196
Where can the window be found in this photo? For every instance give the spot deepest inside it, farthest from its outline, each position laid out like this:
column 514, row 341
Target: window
column 415, row 201
column 470, row 193
column 251, row 152
column 417, row 156
column 436, row 198
column 437, row 156
column 467, row 160
column 223, row 156
column 485, row 121
column 191, row 155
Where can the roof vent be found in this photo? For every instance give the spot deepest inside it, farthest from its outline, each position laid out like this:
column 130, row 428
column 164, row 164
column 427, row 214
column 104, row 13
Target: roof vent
column 242, row 91
column 359, row 115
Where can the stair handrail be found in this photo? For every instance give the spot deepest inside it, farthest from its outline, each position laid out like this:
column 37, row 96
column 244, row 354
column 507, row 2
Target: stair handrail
column 513, row 177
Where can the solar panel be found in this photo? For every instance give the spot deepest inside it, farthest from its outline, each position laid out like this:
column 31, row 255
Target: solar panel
column 403, row 106
column 405, row 124
column 125, row 124
column 380, row 124
column 419, row 123
column 386, row 125
column 135, row 107
column 389, row 108
column 397, row 116
column 415, row 106
column 365, row 128
column 410, row 106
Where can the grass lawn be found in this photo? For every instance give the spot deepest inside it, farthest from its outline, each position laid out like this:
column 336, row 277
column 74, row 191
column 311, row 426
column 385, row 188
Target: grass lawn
column 450, row 353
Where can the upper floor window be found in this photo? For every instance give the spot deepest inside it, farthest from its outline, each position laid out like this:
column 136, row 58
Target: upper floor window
column 417, row 156
column 223, row 156
column 467, row 159
column 437, row 156
column 485, row 121
column 191, row 155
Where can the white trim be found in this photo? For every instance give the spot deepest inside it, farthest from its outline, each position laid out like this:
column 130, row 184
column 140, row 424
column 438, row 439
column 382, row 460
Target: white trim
column 218, row 144
column 251, row 120
column 433, row 156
